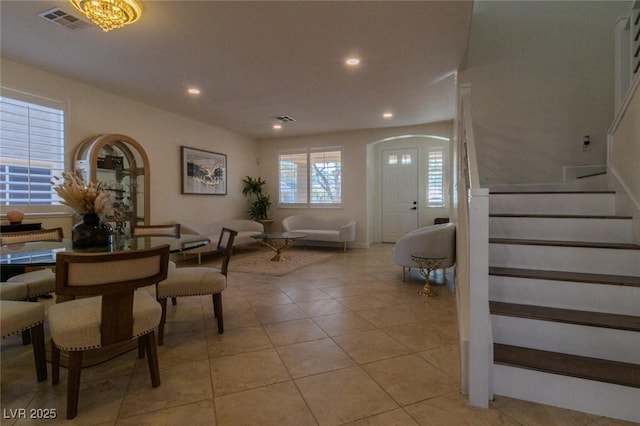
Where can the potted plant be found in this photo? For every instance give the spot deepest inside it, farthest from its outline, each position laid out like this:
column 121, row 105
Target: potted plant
column 259, row 208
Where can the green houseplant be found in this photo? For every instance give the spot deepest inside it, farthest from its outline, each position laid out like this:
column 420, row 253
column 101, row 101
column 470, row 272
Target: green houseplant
column 259, row 208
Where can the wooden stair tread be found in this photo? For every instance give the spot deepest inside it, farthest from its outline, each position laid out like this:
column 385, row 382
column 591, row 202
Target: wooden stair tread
column 601, row 370
column 548, row 192
column 554, row 243
column 624, row 280
column 569, row 316
column 559, row 216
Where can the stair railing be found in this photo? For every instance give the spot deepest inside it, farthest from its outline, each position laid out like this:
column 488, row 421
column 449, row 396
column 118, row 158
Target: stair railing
column 472, row 278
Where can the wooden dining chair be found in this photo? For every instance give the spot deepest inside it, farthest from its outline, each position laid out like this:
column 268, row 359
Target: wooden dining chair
column 120, row 314
column 198, row 281
column 42, row 281
column 159, row 230
column 26, row 317
column 156, row 230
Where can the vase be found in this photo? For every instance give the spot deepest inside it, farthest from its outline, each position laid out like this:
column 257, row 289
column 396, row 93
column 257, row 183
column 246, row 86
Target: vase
column 91, row 232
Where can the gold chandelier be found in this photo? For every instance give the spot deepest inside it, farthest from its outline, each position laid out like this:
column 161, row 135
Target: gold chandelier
column 109, row 14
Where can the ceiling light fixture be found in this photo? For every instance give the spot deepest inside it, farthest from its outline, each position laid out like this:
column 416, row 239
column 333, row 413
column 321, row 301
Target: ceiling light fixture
column 277, row 126
column 387, row 115
column 109, row 14
column 193, row 91
column 352, row 61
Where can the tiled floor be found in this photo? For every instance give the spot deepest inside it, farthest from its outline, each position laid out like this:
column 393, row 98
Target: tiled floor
column 338, row 342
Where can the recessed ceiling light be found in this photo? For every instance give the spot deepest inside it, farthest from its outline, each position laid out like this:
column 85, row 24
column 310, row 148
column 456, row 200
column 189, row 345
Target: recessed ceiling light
column 193, row 91
column 277, row 126
column 352, row 61
column 387, row 115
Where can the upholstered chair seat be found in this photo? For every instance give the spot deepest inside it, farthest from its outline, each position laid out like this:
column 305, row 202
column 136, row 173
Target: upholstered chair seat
column 434, row 240
column 13, row 291
column 106, row 308
column 39, row 282
column 76, row 326
column 198, row 281
column 19, row 317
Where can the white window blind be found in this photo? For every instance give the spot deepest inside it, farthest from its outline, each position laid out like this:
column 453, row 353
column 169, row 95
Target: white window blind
column 311, row 177
column 435, row 178
column 31, row 151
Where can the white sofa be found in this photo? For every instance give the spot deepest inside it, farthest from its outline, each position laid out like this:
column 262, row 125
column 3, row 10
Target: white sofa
column 245, row 228
column 319, row 229
column 435, row 240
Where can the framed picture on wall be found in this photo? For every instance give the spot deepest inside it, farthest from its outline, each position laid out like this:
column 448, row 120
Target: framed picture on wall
column 203, row 172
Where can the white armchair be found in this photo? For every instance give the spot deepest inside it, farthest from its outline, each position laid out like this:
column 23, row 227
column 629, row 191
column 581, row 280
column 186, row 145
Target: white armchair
column 436, row 240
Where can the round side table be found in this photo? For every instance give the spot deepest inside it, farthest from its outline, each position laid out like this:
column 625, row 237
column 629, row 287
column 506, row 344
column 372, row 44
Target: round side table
column 427, row 263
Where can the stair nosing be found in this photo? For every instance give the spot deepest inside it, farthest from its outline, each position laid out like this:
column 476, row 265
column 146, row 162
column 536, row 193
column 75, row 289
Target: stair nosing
column 578, row 277
column 601, row 370
column 549, row 192
column 564, row 243
column 558, row 216
column 567, row 316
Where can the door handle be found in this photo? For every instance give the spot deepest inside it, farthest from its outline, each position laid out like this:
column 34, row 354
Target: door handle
column 413, row 208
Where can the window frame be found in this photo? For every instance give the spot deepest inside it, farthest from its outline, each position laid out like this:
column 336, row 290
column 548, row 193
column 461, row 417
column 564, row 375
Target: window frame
column 443, row 177
column 308, row 153
column 55, row 167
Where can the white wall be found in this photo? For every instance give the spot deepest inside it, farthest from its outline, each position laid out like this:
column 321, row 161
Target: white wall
column 361, row 170
column 91, row 111
column 542, row 76
column 624, row 157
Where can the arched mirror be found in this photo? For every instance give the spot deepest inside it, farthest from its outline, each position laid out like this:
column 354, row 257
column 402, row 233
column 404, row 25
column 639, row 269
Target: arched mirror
column 122, row 163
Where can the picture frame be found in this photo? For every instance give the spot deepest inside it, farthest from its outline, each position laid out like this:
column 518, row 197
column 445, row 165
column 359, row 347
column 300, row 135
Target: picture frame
column 203, row 172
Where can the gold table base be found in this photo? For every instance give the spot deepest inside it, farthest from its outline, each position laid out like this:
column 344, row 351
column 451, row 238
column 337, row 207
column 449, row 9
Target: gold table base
column 426, row 266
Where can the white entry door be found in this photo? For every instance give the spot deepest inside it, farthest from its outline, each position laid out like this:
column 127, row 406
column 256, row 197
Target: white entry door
column 399, row 193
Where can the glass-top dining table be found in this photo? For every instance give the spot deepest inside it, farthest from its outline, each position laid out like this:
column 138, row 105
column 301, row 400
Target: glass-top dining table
column 43, row 253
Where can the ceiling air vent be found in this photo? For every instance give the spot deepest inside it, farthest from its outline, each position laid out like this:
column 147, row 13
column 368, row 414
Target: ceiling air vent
column 60, row 17
column 286, row 119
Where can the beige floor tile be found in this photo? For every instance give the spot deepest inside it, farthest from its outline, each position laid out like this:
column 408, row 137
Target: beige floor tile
column 306, row 294
column 245, row 371
column 181, row 384
column 344, row 323
column 409, row 379
column 199, row 413
column 320, row 308
column 453, row 409
column 276, row 313
column 344, row 396
column 275, row 405
column 238, row 341
column 397, row 417
column 446, row 359
column 317, row 356
column 530, row 414
column 296, row 331
column 389, row 316
column 369, row 346
column 178, row 350
column 239, row 318
column 420, row 336
column 275, row 297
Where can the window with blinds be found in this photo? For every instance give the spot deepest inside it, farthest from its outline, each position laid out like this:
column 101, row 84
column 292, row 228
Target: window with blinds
column 311, row 177
column 435, row 178
column 31, row 151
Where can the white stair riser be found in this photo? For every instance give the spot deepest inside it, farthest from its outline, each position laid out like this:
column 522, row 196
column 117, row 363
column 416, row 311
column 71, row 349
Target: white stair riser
column 594, row 342
column 555, row 229
column 603, row 399
column 571, row 259
column 582, row 204
column 615, row 299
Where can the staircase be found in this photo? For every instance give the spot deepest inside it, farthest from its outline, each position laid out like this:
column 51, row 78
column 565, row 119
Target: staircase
column 564, row 291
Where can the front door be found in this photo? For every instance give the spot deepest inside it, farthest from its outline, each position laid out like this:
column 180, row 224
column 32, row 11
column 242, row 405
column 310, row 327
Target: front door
column 399, row 193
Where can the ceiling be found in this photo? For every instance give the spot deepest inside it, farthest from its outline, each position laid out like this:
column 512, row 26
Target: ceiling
column 255, row 61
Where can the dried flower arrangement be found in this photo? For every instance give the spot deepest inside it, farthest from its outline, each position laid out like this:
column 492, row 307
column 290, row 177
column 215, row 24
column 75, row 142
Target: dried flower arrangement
column 94, row 198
